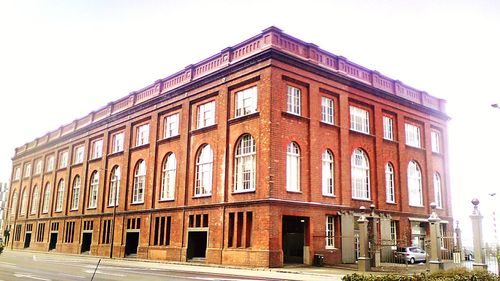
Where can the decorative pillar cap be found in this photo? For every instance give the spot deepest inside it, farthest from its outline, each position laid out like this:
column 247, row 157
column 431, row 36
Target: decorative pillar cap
column 362, row 218
column 475, row 202
column 433, row 218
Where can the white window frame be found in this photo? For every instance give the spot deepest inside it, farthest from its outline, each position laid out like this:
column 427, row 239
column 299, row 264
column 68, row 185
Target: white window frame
column 204, row 171
column 438, row 195
column 394, row 232
column 60, row 196
column 246, row 102
column 94, row 190
column 27, row 170
column 171, row 126
column 293, row 167
column 390, row 189
column 79, row 154
column 360, row 175
column 139, row 182
column 17, row 173
column 13, row 206
column 168, row 180
column 50, row 163
column 46, row 198
column 24, row 202
column 388, row 124
column 412, row 133
column 97, row 149
column 293, row 100
column 118, row 142
column 327, row 110
column 330, row 232
column 206, row 115
column 245, row 164
column 328, row 173
column 142, row 137
column 75, row 193
column 415, row 196
column 114, row 187
column 359, row 119
column 63, row 163
column 35, row 200
column 38, row 167
column 435, row 141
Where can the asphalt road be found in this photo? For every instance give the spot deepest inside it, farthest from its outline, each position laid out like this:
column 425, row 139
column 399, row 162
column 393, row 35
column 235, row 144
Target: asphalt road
column 19, row 265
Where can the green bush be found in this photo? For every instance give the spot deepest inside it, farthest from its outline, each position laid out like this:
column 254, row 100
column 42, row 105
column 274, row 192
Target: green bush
column 1, row 247
column 457, row 274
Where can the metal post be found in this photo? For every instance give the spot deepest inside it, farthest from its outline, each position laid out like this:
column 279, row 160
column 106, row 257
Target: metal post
column 458, row 235
column 435, row 262
column 364, row 257
column 477, row 236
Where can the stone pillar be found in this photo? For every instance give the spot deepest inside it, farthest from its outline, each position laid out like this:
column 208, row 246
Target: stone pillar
column 385, row 238
column 435, row 262
column 460, row 248
column 347, row 226
column 374, row 248
column 477, row 236
column 364, row 257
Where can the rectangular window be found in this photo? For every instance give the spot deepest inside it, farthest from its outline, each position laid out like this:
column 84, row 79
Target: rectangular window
column 27, row 170
column 106, row 231
column 230, row 235
column 142, row 135
column 206, row 114
column 388, row 128
column 17, row 233
column 50, row 164
column 171, row 126
column 248, row 228
column 17, row 173
column 293, row 100
column 69, row 234
column 117, row 143
column 38, row 167
column 330, row 232
column 326, row 110
column 79, row 152
column 394, row 232
column 360, row 120
column 162, row 231
column 246, row 102
column 412, row 135
column 435, row 142
column 40, row 232
column 97, row 149
column 63, row 161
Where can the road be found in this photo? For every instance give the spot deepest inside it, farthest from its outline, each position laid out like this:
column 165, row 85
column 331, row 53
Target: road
column 19, row 265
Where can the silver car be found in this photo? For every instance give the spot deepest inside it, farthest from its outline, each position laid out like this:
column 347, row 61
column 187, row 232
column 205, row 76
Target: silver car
column 410, row 254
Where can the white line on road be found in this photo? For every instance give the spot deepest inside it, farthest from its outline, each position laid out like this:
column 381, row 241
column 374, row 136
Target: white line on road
column 71, row 275
column 8, row 264
column 104, row 273
column 22, row 275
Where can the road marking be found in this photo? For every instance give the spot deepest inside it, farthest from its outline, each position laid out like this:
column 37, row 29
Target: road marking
column 21, row 275
column 71, row 275
column 105, row 273
column 8, row 264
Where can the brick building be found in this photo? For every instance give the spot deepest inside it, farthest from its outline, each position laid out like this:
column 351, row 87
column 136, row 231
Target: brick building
column 4, row 196
column 260, row 155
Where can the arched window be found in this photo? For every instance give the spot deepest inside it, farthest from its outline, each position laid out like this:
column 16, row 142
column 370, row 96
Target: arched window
column 114, row 187
column 415, row 184
column 13, row 204
column 94, row 188
column 437, row 190
column 60, row 196
column 390, row 196
column 293, row 167
column 244, row 164
column 24, row 202
column 204, row 165
column 139, row 182
column 35, row 201
column 327, row 177
column 168, row 177
column 75, row 194
column 360, row 174
column 46, row 198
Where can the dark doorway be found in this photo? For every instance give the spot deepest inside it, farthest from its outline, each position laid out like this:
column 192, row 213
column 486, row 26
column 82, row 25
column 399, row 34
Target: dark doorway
column 53, row 241
column 27, row 240
column 131, row 243
column 197, row 244
column 293, row 239
column 86, row 241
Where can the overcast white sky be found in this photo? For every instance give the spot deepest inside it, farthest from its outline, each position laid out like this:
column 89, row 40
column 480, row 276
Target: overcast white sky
column 59, row 60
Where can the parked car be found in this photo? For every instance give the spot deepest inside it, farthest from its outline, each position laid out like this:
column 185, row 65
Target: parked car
column 468, row 254
column 410, row 254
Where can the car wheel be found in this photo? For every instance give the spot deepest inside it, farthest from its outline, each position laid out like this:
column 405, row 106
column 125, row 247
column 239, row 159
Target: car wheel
column 412, row 260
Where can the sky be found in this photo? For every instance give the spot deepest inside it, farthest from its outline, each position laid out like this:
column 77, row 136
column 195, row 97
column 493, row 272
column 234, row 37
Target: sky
column 60, row 60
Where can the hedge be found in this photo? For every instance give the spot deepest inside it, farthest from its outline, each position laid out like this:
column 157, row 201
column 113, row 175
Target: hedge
column 456, row 274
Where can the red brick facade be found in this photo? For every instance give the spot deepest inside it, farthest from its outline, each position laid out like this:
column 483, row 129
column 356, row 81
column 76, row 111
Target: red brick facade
column 228, row 227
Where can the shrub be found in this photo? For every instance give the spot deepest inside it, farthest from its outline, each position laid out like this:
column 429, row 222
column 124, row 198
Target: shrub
column 1, row 247
column 457, row 274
